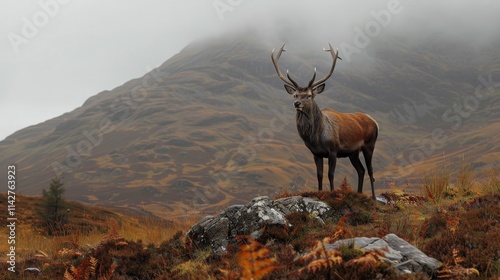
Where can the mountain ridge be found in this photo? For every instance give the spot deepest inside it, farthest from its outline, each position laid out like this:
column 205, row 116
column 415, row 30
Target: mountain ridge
column 213, row 126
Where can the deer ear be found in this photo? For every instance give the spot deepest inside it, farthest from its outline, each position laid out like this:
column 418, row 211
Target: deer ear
column 319, row 89
column 290, row 89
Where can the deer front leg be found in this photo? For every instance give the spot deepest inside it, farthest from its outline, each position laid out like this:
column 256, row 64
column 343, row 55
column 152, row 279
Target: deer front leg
column 319, row 171
column 332, row 162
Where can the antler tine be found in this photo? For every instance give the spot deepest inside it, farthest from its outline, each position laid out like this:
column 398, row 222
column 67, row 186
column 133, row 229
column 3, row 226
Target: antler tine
column 291, row 80
column 327, row 50
column 288, row 81
column 282, row 49
column 335, row 55
column 312, row 80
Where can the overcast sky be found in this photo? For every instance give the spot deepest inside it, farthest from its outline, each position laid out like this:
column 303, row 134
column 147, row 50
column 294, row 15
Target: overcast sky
column 57, row 53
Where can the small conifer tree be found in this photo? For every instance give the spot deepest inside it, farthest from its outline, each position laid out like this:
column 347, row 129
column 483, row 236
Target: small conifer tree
column 53, row 203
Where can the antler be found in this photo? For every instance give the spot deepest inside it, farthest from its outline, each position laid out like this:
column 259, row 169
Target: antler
column 288, row 81
column 335, row 55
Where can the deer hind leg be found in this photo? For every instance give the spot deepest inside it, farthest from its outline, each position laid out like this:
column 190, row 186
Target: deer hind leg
column 319, row 171
column 359, row 168
column 368, row 153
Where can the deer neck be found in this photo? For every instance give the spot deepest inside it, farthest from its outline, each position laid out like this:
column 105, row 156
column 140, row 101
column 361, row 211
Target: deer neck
column 309, row 124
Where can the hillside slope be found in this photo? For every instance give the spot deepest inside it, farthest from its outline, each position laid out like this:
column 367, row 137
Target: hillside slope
column 213, row 126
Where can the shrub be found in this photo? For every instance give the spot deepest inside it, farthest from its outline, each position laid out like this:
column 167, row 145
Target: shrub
column 471, row 234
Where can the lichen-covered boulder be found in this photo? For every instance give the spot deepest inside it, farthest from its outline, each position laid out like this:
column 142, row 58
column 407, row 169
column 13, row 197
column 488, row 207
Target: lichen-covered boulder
column 220, row 231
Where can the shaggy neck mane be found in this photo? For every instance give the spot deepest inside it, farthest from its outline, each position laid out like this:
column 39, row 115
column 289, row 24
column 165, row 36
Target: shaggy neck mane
column 309, row 123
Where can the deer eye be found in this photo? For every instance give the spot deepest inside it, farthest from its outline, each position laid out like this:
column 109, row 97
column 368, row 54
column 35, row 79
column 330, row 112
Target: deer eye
column 309, row 96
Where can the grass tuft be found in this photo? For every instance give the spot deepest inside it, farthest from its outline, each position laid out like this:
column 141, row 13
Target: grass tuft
column 465, row 178
column 493, row 179
column 436, row 183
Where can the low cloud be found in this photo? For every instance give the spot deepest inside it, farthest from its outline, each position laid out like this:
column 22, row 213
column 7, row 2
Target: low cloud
column 90, row 46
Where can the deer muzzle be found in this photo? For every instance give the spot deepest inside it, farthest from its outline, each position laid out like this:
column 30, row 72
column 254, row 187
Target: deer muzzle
column 298, row 105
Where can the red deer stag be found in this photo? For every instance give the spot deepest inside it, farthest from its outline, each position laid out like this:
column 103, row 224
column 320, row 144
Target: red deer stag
column 328, row 133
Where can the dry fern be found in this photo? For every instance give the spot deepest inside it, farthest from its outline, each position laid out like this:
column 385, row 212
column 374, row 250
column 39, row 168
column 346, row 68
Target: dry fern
column 227, row 272
column 42, row 254
column 68, row 275
column 320, row 259
column 112, row 234
column 87, row 270
column 452, row 224
column 369, row 260
column 65, row 252
column 108, row 273
column 456, row 270
column 340, row 229
column 84, row 271
column 92, row 265
column 254, row 258
column 345, row 187
column 330, row 263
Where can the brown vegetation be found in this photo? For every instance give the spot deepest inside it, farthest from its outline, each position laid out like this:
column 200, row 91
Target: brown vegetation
column 461, row 229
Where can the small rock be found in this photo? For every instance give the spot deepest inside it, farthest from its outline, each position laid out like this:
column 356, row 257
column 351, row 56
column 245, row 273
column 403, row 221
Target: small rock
column 403, row 256
column 33, row 270
column 427, row 264
column 381, row 199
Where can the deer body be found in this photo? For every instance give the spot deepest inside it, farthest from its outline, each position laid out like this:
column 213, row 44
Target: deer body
column 331, row 134
column 328, row 135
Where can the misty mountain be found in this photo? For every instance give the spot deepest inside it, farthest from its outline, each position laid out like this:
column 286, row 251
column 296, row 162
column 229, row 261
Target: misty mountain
column 213, row 125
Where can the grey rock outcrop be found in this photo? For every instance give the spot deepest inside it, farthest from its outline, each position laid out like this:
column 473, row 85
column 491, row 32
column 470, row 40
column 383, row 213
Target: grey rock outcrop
column 220, row 231
column 402, row 256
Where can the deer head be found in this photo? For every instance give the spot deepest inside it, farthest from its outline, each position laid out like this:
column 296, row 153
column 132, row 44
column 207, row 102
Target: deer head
column 304, row 96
